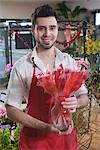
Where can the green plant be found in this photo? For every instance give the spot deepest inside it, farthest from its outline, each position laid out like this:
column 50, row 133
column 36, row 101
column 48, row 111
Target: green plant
column 67, row 14
column 6, row 140
column 74, row 49
column 3, row 117
column 64, row 12
column 1, row 138
column 16, row 137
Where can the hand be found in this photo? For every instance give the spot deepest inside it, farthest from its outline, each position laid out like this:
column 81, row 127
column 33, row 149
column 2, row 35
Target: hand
column 70, row 103
column 69, row 130
column 55, row 130
column 84, row 64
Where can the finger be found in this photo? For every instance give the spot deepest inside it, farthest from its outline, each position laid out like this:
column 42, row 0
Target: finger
column 55, row 130
column 72, row 110
column 69, row 102
column 70, row 98
column 69, row 106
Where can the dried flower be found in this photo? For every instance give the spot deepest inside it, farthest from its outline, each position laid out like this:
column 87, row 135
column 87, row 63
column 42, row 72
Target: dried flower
column 61, row 84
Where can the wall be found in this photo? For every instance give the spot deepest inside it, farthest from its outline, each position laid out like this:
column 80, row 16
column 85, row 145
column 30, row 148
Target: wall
column 17, row 10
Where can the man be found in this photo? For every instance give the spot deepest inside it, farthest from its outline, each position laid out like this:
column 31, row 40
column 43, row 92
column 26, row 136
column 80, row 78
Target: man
column 37, row 132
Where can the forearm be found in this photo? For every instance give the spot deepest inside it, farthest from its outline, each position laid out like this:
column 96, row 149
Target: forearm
column 82, row 101
column 25, row 119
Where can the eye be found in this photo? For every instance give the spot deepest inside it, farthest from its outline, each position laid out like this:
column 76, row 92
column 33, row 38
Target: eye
column 40, row 28
column 52, row 28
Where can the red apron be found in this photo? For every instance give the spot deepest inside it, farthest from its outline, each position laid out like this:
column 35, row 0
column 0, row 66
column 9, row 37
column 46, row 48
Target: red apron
column 39, row 106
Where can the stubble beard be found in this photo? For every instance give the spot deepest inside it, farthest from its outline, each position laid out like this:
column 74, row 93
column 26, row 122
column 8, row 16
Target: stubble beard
column 47, row 47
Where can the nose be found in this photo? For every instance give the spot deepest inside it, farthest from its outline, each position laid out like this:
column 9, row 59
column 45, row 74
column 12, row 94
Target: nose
column 47, row 32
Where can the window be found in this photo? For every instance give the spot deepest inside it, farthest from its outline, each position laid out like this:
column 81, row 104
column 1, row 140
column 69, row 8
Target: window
column 97, row 18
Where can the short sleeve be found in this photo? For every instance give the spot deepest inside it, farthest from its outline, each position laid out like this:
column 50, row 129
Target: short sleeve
column 82, row 90
column 16, row 89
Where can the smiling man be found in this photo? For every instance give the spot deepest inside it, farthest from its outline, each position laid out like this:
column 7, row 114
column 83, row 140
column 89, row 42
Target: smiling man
column 38, row 132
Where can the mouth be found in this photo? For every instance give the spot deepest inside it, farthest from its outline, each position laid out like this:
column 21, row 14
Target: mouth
column 46, row 39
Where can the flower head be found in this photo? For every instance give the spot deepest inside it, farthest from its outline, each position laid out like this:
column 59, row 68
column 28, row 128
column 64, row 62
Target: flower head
column 8, row 67
column 2, row 112
column 62, row 82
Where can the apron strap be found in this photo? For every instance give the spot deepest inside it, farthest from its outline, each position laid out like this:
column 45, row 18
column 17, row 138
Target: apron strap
column 34, row 70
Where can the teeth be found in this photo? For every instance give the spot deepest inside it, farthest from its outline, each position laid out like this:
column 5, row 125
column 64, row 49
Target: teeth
column 46, row 40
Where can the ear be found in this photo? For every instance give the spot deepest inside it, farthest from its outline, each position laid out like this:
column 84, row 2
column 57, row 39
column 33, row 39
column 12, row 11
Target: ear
column 32, row 28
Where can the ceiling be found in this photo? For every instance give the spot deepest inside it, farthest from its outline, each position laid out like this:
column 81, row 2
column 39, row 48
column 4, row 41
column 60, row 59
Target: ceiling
column 32, row 0
column 48, row 0
column 41, row 0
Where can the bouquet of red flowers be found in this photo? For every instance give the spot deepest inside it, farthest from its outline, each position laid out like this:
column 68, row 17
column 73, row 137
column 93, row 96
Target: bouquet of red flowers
column 61, row 84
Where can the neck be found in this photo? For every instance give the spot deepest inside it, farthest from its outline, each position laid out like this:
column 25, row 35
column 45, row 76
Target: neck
column 45, row 52
column 48, row 57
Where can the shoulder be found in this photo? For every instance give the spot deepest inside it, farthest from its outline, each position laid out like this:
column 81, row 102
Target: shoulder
column 63, row 55
column 66, row 59
column 23, row 63
column 69, row 61
column 68, row 56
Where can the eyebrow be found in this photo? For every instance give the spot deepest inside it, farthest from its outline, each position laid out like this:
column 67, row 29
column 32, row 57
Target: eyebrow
column 45, row 26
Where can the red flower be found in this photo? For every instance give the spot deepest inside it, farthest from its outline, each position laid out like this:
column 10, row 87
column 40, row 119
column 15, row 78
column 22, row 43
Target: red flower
column 62, row 82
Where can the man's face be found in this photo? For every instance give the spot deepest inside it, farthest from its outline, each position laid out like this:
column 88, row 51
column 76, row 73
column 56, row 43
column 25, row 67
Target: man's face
column 45, row 32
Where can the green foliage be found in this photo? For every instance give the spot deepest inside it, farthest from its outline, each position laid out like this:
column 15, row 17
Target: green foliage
column 16, row 138
column 73, row 50
column 5, row 139
column 77, row 11
column 67, row 14
column 5, row 120
column 64, row 12
column 1, row 138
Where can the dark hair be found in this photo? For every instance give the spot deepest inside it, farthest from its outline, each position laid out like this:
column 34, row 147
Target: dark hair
column 43, row 11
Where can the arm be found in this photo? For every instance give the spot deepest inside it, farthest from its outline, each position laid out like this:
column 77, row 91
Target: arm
column 76, row 102
column 15, row 92
column 28, row 121
column 82, row 101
